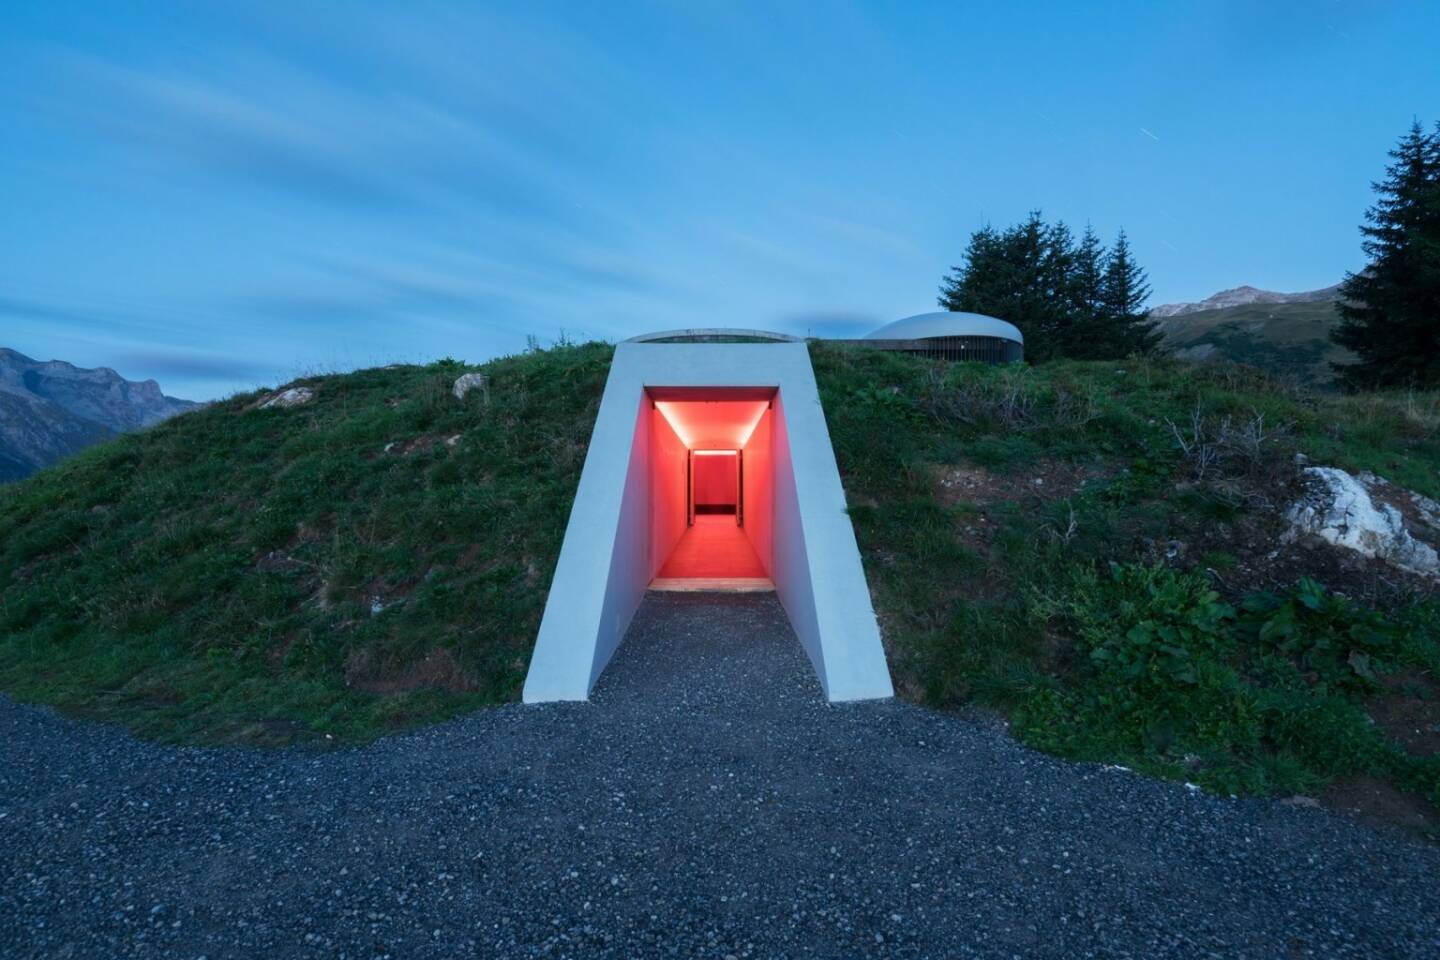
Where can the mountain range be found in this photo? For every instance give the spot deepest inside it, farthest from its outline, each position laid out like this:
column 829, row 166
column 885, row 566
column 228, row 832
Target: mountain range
column 1244, row 296
column 1287, row 334
column 51, row 409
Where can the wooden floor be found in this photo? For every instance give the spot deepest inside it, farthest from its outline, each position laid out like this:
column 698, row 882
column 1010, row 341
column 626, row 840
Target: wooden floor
column 713, row 549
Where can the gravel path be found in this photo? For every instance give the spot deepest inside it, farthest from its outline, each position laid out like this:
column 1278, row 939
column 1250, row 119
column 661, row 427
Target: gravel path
column 707, row 803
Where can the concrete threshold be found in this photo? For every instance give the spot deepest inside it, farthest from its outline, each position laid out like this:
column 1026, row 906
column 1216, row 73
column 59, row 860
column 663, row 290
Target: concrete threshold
column 713, row 584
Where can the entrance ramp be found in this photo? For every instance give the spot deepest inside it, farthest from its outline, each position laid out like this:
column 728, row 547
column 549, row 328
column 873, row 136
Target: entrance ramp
column 632, row 513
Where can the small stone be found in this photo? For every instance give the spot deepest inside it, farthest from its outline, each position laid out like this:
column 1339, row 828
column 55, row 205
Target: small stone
column 472, row 381
column 289, row 397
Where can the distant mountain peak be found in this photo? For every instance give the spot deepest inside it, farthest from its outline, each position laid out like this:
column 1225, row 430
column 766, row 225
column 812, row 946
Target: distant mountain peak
column 1243, row 295
column 50, row 409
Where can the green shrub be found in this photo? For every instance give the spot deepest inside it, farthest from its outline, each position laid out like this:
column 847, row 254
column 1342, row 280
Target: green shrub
column 1342, row 643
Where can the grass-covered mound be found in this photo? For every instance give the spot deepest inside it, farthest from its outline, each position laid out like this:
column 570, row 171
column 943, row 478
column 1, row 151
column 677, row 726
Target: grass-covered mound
column 375, row 558
column 1096, row 551
column 1092, row 549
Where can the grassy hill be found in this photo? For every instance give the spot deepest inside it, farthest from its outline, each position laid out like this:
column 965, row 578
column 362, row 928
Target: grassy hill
column 373, row 559
column 1288, row 340
column 1036, row 540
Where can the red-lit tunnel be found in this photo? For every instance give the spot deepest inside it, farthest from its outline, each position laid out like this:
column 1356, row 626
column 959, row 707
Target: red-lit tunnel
column 712, row 487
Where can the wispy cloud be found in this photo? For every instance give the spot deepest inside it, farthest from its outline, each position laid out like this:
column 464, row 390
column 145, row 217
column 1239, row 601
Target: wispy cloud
column 165, row 365
column 840, row 323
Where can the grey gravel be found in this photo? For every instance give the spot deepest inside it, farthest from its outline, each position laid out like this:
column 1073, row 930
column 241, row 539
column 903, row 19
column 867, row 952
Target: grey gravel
column 706, row 803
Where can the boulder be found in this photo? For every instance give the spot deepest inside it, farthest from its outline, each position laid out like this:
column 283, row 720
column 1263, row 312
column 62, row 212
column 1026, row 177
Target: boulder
column 472, row 381
column 289, row 397
column 1342, row 510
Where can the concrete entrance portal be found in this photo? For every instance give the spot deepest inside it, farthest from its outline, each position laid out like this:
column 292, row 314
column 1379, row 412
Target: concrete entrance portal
column 710, row 467
column 709, row 452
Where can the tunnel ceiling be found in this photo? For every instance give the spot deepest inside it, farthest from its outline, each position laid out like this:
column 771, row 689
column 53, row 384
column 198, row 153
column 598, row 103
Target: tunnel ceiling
column 713, row 424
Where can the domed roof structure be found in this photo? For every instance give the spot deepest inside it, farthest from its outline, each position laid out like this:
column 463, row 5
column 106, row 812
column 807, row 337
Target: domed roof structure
column 926, row 326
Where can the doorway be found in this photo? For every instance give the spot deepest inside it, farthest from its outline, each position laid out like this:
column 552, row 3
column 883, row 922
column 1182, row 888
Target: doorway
column 717, row 484
column 710, row 489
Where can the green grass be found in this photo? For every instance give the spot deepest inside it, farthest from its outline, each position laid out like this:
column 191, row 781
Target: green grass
column 1063, row 612
column 217, row 578
column 268, row 576
column 1290, row 341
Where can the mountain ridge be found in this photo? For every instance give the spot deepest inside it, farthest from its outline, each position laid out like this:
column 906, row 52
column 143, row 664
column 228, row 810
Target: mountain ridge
column 1245, row 295
column 50, row 409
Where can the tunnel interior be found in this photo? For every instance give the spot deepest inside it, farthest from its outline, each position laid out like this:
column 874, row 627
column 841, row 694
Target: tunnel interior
column 711, row 486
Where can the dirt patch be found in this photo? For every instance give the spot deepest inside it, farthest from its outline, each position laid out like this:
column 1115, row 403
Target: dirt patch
column 437, row 671
column 1377, row 803
column 1047, row 480
column 1408, row 709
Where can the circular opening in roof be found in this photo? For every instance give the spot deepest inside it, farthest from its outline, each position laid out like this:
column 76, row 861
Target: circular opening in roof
column 714, row 335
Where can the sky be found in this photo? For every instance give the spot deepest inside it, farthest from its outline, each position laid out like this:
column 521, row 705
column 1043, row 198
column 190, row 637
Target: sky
column 222, row 196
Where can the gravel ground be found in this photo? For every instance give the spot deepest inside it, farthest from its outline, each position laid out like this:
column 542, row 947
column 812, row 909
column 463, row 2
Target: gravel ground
column 706, row 803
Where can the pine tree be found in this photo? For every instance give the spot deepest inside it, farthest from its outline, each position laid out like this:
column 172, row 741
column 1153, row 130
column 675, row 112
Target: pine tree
column 1126, row 327
column 1069, row 299
column 1390, row 311
column 1085, row 296
column 1018, row 276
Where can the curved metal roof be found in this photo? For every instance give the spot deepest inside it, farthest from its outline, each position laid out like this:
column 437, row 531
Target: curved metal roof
column 923, row 326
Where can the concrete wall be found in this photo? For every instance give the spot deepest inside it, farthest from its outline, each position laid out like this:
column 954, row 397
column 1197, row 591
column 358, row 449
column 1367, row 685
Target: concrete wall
column 667, row 490
column 791, row 568
column 604, row 565
column 606, row 561
column 759, row 483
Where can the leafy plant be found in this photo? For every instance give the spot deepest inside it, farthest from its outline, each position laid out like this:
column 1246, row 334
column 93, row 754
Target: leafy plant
column 1150, row 623
column 1339, row 641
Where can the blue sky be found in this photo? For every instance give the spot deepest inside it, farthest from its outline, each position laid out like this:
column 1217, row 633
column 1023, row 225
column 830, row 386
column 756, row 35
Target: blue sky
column 223, row 195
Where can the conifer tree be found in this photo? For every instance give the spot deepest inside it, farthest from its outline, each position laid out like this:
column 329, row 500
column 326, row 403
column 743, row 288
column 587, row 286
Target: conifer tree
column 1125, row 327
column 1018, row 275
column 1085, row 294
column 1069, row 299
column 1390, row 311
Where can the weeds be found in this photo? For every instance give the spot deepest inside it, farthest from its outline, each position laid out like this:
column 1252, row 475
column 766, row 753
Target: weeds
column 1137, row 663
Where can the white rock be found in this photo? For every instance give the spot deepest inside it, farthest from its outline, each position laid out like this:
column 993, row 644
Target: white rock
column 1338, row 509
column 472, row 381
column 1429, row 510
column 289, row 397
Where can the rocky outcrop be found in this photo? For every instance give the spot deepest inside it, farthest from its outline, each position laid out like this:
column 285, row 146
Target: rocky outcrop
column 288, row 397
column 472, row 381
column 51, row 409
column 1367, row 515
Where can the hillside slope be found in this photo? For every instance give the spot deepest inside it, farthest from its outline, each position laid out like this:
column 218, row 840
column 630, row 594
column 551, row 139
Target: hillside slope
column 1288, row 340
column 52, row 409
column 374, row 558
column 380, row 557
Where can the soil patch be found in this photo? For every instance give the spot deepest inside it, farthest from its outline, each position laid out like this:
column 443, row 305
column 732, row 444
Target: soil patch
column 1408, row 709
column 1377, row 803
column 1047, row 480
column 437, row 671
